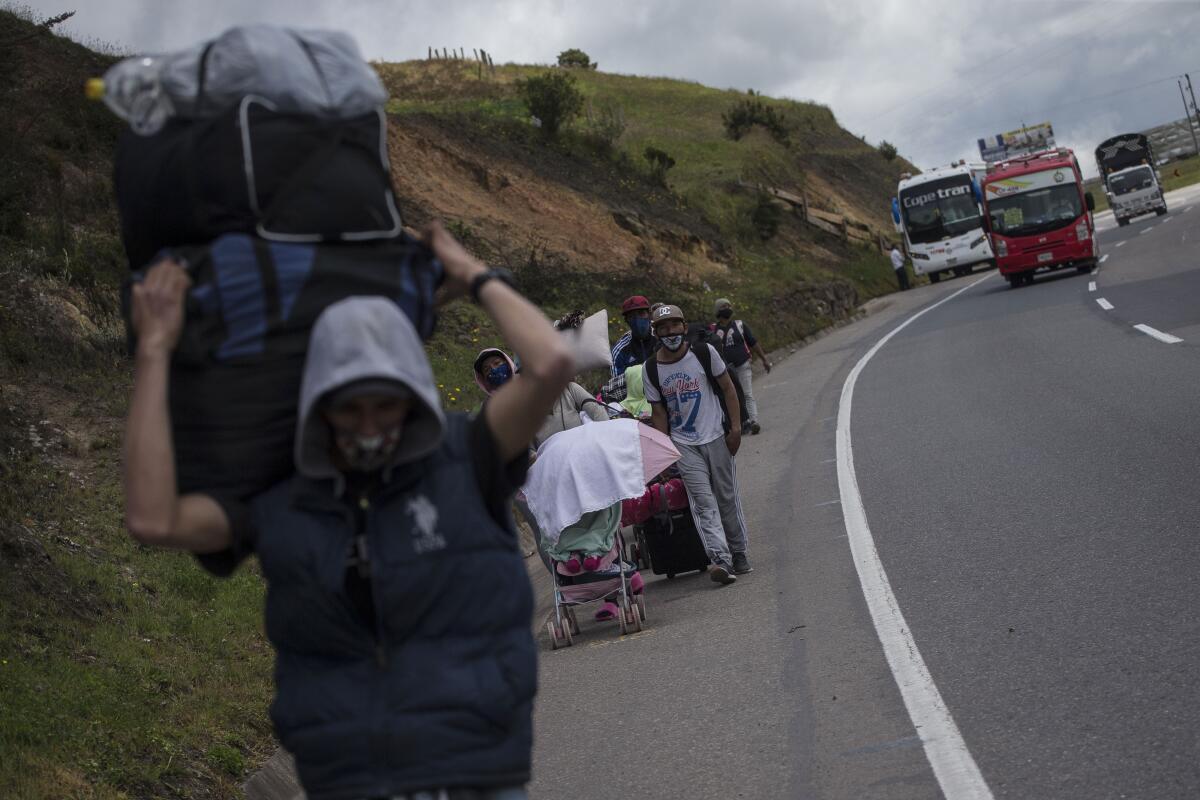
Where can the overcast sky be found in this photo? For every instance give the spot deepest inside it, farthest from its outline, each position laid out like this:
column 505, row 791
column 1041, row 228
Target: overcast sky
column 931, row 76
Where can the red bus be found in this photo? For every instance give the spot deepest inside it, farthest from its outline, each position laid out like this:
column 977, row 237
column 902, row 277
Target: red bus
column 1038, row 215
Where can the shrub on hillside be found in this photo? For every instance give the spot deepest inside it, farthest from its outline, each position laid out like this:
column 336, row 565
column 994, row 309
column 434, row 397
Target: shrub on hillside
column 766, row 216
column 660, row 162
column 576, row 58
column 887, row 150
column 745, row 114
column 552, row 99
column 606, row 123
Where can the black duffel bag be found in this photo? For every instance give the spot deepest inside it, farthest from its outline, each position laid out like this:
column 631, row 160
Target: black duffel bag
column 235, row 374
column 250, row 169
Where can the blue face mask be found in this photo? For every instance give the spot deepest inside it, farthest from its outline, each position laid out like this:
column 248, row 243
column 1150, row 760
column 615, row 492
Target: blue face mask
column 640, row 327
column 499, row 375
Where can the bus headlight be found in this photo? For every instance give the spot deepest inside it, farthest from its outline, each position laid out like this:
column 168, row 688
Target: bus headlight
column 1001, row 248
column 1081, row 231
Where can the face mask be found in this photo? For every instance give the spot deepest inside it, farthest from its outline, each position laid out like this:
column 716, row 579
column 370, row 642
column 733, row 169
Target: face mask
column 498, row 375
column 640, row 327
column 725, row 313
column 368, row 453
column 672, row 343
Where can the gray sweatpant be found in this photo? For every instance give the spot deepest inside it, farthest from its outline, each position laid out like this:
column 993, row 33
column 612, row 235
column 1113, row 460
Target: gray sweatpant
column 710, row 475
column 744, row 375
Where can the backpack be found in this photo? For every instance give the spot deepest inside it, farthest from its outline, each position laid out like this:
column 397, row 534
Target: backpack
column 236, row 372
column 704, row 356
column 720, row 344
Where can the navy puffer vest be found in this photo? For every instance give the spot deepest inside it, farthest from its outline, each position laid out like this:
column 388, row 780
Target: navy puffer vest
column 440, row 692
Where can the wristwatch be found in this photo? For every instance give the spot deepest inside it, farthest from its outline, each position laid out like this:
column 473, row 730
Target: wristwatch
column 497, row 273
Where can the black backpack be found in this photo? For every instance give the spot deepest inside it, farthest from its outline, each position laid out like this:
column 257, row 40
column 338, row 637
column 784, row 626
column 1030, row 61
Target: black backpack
column 704, row 356
column 249, row 169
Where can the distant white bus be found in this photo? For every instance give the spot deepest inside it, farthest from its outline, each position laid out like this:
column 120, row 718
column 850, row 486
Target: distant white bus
column 940, row 216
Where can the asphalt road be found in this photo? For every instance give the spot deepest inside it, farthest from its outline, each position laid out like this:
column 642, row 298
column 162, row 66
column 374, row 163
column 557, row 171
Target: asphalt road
column 1027, row 462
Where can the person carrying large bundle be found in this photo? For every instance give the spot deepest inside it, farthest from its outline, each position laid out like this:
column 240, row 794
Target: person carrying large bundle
column 258, row 161
column 397, row 603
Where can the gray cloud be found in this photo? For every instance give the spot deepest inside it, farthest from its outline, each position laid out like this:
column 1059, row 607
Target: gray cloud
column 929, row 75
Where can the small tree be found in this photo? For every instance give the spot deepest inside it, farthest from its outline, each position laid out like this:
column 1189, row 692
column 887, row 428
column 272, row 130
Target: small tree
column 575, row 58
column 552, row 99
column 887, row 150
column 660, row 162
column 766, row 216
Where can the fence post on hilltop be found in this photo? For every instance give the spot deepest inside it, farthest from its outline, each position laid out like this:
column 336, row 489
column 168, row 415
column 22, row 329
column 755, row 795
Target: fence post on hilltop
column 429, row 55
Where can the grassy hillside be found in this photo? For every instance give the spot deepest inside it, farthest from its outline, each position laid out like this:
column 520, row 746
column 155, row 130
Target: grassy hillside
column 126, row 672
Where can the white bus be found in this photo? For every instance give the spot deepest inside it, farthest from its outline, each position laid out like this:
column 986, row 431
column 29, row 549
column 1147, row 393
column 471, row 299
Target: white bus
column 940, row 216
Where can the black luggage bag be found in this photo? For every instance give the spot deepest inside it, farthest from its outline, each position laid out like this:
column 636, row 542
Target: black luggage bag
column 235, row 375
column 672, row 543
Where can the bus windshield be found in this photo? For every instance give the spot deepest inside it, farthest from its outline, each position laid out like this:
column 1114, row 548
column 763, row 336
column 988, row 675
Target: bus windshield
column 939, row 209
column 1036, row 211
column 1131, row 181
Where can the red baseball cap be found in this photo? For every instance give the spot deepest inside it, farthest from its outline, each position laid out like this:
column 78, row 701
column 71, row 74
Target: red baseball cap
column 635, row 303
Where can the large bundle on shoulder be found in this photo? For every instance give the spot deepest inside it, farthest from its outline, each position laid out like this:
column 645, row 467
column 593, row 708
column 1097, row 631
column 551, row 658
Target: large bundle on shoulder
column 259, row 160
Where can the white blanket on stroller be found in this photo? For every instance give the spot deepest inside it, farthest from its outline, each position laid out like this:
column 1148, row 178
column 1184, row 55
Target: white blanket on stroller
column 584, row 469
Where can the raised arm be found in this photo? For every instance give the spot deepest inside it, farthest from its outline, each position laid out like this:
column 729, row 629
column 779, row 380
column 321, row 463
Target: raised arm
column 516, row 411
column 154, row 512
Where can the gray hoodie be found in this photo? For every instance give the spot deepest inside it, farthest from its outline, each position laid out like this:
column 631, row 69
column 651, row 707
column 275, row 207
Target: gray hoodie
column 357, row 338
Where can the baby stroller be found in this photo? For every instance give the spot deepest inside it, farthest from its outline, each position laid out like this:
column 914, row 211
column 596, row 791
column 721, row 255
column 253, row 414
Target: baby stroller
column 609, row 579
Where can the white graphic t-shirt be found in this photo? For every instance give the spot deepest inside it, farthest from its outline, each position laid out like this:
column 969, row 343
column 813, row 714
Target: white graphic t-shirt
column 693, row 409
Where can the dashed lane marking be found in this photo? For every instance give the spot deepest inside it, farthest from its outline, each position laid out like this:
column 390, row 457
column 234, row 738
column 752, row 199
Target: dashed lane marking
column 952, row 763
column 1107, row 306
column 1092, row 286
column 1145, row 230
column 1121, row 243
column 1157, row 334
column 1167, row 218
column 1104, row 258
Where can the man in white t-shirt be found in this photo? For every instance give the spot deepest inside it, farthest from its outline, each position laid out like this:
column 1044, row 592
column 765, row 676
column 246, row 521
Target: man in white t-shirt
column 692, row 397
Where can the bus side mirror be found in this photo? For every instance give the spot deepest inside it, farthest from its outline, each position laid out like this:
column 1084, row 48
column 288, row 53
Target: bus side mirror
column 1089, row 201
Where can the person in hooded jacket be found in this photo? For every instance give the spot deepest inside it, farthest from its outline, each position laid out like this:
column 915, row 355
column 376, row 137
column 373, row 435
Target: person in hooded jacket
column 397, row 601
column 493, row 369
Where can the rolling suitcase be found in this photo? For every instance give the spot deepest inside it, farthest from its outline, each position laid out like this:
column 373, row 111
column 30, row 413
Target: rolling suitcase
column 671, row 541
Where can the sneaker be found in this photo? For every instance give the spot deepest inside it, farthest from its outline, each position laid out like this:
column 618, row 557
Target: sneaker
column 721, row 574
column 745, row 430
column 755, row 429
column 572, row 565
column 741, row 564
column 591, row 563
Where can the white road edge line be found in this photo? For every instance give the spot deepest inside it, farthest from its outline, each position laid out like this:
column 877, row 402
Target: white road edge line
column 1122, row 243
column 1104, row 258
column 1091, row 286
column 953, row 766
column 1107, row 306
column 1157, row 334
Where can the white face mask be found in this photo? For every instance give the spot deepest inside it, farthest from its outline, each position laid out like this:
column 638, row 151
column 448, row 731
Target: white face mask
column 368, row 453
column 672, row 343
